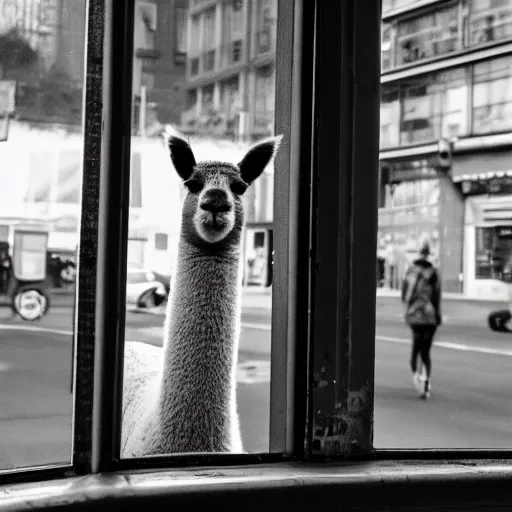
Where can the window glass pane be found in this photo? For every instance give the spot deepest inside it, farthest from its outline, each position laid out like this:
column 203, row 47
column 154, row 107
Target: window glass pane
column 41, row 89
column 387, row 47
column 429, row 35
column 492, row 96
column 433, row 106
column 221, row 100
column 442, row 373
column 389, row 117
column 489, row 21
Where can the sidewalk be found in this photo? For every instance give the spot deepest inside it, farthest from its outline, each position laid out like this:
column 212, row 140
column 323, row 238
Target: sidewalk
column 389, row 293
column 252, row 298
column 261, row 298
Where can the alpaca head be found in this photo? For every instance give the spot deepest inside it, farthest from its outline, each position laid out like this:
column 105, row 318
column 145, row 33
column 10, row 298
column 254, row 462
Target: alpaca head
column 213, row 214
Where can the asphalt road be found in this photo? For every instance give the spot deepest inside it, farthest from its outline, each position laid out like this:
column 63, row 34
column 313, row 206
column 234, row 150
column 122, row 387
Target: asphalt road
column 471, row 404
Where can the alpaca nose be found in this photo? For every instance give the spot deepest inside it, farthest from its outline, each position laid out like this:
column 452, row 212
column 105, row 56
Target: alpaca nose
column 215, row 201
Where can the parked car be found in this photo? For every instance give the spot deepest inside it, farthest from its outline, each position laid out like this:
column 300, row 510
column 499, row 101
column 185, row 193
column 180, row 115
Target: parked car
column 165, row 279
column 501, row 321
column 143, row 289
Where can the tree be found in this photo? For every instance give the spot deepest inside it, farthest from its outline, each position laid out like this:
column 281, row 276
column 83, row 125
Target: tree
column 15, row 53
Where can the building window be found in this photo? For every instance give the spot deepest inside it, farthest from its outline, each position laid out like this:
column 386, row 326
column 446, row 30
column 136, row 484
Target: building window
column 389, row 5
column 236, row 51
column 428, row 36
column 42, row 164
column 231, row 103
column 209, row 41
column 490, row 20
column 194, row 50
column 386, row 47
column 264, row 101
column 147, row 20
column 136, row 181
column 69, row 177
column 194, row 66
column 389, row 117
column 434, row 106
column 492, row 96
column 265, row 26
column 207, row 98
column 161, row 241
column 181, row 31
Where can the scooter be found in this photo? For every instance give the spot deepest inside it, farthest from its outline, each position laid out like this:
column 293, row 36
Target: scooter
column 501, row 321
column 24, row 283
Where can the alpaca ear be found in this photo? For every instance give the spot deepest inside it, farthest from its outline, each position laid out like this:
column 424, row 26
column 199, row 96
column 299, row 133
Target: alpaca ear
column 181, row 155
column 258, row 157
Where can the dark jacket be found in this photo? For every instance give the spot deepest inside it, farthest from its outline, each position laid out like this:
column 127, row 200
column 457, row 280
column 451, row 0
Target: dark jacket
column 421, row 294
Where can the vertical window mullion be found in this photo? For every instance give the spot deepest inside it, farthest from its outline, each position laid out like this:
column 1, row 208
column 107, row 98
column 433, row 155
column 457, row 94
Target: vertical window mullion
column 101, row 281
column 290, row 294
column 345, row 218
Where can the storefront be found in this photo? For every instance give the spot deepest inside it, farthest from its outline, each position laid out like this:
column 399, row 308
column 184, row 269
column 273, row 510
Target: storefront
column 486, row 185
column 418, row 203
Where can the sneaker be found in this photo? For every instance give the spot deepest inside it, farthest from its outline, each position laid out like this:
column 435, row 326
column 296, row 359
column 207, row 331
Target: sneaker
column 426, row 390
column 416, row 379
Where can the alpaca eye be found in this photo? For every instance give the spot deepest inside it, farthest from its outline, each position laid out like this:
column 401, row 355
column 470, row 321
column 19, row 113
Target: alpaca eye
column 194, row 186
column 238, row 187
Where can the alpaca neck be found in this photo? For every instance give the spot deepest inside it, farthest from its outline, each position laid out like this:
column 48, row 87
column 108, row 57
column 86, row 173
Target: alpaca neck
column 201, row 330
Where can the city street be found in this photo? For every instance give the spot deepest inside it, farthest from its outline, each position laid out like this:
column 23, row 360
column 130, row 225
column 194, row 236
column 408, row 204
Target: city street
column 471, row 404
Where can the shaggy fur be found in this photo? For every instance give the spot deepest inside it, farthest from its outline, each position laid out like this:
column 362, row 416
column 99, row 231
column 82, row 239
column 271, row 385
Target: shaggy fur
column 183, row 399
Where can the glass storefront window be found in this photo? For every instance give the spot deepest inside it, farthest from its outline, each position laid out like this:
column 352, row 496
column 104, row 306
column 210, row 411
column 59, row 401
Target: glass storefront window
column 492, row 96
column 412, row 193
column 493, row 246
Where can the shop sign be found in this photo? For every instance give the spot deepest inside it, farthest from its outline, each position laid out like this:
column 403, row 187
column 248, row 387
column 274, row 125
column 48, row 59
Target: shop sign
column 411, row 170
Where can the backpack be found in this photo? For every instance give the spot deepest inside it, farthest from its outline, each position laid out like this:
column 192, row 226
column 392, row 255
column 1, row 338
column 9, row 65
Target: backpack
column 420, row 310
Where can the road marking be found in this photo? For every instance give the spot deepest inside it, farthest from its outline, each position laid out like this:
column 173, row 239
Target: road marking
column 158, row 331
column 31, row 328
column 452, row 346
column 263, row 327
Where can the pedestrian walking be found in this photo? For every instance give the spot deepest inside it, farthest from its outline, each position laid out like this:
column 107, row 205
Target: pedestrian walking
column 421, row 295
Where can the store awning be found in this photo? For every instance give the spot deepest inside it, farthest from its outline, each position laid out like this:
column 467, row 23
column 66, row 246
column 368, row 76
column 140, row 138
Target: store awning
column 482, row 176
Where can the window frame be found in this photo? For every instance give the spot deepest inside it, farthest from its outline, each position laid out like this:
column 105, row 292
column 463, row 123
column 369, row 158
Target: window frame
column 324, row 321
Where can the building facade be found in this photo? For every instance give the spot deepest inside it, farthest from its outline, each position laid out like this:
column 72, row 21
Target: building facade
column 446, row 141
column 41, row 160
column 159, row 64
column 230, row 96
column 230, row 76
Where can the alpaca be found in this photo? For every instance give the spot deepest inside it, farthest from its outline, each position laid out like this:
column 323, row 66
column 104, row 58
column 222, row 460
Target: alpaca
column 183, row 398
